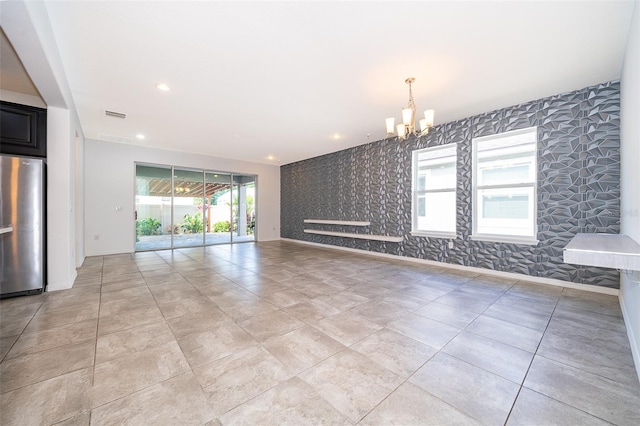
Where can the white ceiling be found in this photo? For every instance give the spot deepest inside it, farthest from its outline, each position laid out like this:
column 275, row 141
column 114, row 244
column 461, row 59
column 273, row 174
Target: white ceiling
column 256, row 79
column 13, row 76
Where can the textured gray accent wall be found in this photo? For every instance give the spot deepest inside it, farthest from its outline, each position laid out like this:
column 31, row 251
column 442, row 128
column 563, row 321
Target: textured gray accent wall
column 578, row 187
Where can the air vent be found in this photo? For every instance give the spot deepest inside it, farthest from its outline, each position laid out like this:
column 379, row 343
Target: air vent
column 114, row 138
column 114, row 114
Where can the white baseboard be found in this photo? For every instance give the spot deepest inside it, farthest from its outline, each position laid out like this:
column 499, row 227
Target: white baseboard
column 528, row 278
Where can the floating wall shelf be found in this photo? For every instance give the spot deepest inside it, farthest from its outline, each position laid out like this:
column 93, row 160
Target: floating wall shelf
column 604, row 250
column 338, row 222
column 359, row 236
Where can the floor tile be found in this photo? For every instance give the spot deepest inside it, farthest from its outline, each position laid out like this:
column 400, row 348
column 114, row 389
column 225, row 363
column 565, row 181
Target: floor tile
column 536, row 291
column 179, row 400
column 532, row 407
column 410, row 405
column 186, row 324
column 302, row 348
column 472, row 390
column 344, row 300
column 424, row 330
column 246, row 308
column 215, row 343
column 69, row 302
column 49, row 339
column 408, row 302
column 498, row 358
column 346, row 327
column 270, row 324
column 351, row 383
column 192, row 306
column 379, row 312
column 167, row 293
column 5, row 345
column 588, row 301
column 170, row 350
column 286, row 297
column 127, row 342
column 83, row 419
column 293, row 402
column 446, row 314
column 521, row 337
column 612, row 401
column 313, row 310
column 596, row 350
column 37, row 367
column 470, row 299
column 127, row 374
column 517, row 311
column 239, row 377
column 44, row 403
column 123, row 284
column 565, row 317
column 125, row 320
column 395, row 352
column 53, row 319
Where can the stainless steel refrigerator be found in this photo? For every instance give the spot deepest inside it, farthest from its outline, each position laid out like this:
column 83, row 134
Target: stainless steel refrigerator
column 22, row 225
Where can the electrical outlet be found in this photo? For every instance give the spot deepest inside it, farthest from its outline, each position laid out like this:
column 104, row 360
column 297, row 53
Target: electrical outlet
column 450, row 244
column 96, row 237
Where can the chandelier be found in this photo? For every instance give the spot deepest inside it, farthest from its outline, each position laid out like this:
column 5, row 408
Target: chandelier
column 408, row 126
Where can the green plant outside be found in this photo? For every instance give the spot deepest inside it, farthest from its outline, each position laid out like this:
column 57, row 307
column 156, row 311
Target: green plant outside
column 148, row 226
column 192, row 224
column 222, row 226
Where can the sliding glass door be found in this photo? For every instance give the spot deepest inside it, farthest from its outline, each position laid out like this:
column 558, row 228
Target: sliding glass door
column 244, row 220
column 218, row 197
column 153, row 207
column 181, row 207
column 188, row 208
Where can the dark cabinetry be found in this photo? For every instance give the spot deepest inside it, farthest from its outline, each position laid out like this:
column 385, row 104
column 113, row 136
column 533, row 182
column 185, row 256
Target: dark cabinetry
column 23, row 130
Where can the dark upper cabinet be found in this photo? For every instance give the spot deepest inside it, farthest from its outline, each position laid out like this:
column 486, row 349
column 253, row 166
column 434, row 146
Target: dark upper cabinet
column 23, row 130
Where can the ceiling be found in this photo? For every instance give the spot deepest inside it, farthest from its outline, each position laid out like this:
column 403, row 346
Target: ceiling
column 277, row 82
column 13, row 76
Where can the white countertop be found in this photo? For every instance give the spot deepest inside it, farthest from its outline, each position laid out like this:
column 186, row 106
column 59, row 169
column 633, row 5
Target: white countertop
column 604, row 250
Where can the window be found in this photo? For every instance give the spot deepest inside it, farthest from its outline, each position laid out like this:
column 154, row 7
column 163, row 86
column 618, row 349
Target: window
column 504, row 187
column 434, row 191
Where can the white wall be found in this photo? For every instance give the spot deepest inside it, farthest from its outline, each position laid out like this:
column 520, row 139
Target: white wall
column 110, row 183
column 630, row 181
column 27, row 27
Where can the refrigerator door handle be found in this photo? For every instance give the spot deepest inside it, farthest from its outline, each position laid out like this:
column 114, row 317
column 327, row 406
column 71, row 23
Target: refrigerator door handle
column 5, row 229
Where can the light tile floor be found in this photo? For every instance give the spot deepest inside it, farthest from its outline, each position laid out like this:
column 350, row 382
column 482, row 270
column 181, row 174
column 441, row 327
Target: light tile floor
column 282, row 333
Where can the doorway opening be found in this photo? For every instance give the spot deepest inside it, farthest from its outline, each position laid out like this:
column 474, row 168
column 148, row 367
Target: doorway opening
column 180, row 207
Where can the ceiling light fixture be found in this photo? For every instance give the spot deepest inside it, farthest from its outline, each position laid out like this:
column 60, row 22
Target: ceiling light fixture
column 163, row 86
column 140, row 136
column 408, row 126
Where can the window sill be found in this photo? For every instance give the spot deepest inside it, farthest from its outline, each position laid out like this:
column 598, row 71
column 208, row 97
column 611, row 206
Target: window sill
column 505, row 239
column 449, row 235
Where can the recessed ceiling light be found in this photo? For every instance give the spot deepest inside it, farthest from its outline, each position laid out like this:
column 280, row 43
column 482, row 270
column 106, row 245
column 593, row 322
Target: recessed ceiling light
column 163, row 86
column 336, row 136
column 271, row 157
column 140, row 136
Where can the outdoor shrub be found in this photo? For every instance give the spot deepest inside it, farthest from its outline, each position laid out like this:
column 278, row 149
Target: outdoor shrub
column 222, row 226
column 192, row 224
column 148, row 226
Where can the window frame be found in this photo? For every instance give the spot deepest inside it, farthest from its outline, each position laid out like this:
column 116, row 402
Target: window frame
column 533, row 185
column 415, row 193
